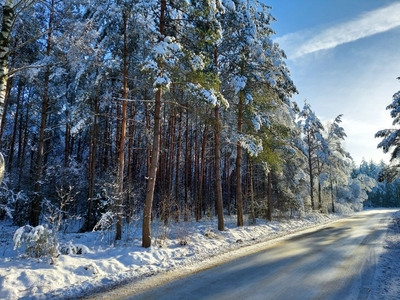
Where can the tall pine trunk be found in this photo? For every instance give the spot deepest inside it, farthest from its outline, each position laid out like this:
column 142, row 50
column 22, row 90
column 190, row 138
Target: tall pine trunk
column 319, row 187
column 218, row 181
column 151, row 180
column 122, row 136
column 92, row 165
column 187, row 163
column 269, row 205
column 251, row 186
column 331, row 188
column 67, row 140
column 171, row 154
column 311, row 172
column 177, row 162
column 239, row 192
column 148, row 142
column 16, row 120
column 132, row 163
column 228, row 183
column 22, row 145
column 217, row 161
column 202, row 175
column 36, row 203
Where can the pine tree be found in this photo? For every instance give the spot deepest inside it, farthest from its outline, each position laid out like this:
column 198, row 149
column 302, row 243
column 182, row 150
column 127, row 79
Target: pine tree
column 312, row 129
column 338, row 158
column 256, row 67
column 391, row 141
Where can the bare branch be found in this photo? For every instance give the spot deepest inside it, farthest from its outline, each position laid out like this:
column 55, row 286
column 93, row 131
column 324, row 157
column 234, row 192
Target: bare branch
column 14, row 71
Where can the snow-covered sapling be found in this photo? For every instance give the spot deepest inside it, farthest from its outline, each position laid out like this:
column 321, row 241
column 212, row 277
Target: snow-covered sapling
column 37, row 241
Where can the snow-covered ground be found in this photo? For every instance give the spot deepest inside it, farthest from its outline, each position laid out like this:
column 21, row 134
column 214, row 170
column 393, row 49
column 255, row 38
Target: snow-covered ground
column 387, row 277
column 101, row 265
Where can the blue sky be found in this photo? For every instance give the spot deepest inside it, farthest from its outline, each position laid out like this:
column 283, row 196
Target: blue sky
column 344, row 59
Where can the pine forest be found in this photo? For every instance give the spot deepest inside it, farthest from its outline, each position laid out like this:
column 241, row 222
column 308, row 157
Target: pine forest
column 123, row 111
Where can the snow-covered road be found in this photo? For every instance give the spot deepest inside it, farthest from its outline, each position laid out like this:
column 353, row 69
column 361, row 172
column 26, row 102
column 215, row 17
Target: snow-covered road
column 334, row 262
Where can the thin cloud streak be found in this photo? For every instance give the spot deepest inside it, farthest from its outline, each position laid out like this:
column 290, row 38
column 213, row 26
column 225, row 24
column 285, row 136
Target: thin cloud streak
column 377, row 21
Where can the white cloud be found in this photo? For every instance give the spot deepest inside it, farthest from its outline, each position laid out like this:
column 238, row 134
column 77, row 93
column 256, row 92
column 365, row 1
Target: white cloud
column 377, row 21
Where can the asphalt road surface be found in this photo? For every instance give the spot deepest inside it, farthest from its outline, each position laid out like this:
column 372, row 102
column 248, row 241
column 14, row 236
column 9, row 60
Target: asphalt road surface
column 334, row 262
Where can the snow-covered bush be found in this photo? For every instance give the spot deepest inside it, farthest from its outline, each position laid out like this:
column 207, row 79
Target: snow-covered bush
column 343, row 208
column 106, row 222
column 74, row 249
column 106, row 225
column 38, row 241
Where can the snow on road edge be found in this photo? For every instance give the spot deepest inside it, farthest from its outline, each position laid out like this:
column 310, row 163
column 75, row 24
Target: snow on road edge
column 387, row 277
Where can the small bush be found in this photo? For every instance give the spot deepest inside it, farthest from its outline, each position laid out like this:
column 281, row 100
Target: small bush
column 38, row 241
column 343, row 208
column 74, row 249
